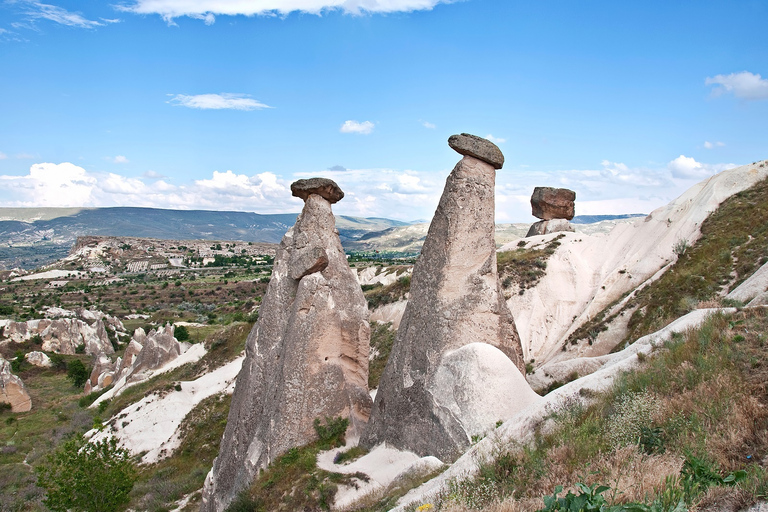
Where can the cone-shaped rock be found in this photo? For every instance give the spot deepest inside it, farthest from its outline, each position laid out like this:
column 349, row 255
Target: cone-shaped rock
column 306, row 358
column 455, row 300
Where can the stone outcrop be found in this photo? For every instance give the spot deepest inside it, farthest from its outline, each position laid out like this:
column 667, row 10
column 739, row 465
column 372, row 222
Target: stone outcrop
column 478, row 147
column 325, row 188
column 62, row 335
column 550, row 203
column 144, row 354
column 12, row 390
column 306, row 358
column 38, row 358
column 544, row 227
column 425, row 402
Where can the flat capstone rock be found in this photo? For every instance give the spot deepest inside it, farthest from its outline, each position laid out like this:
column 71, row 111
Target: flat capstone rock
column 323, row 187
column 478, row 147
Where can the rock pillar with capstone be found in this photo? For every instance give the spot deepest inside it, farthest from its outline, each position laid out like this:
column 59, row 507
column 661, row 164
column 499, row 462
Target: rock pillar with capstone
column 456, row 309
column 306, row 357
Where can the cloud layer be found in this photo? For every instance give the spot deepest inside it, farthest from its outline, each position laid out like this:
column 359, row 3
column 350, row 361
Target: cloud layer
column 221, row 101
column 745, row 85
column 206, row 10
column 613, row 188
column 40, row 11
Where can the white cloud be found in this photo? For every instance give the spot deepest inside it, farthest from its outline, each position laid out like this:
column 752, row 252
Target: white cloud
column 120, row 159
column 427, row 124
column 495, row 140
column 207, row 9
column 37, row 10
column 217, row 101
column 684, row 167
column 50, row 184
column 152, row 175
column 24, row 156
column 3, row 156
column 711, row 145
column 364, row 128
column 746, row 85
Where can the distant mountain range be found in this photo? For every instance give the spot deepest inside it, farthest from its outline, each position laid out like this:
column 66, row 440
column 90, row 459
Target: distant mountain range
column 30, row 237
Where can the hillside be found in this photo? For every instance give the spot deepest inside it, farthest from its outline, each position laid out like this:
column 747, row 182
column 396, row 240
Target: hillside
column 663, row 404
column 37, row 236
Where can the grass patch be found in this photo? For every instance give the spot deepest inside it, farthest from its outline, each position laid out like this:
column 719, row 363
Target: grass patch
column 525, row 267
column 733, row 244
column 690, row 427
column 294, row 482
column 382, row 338
column 381, row 295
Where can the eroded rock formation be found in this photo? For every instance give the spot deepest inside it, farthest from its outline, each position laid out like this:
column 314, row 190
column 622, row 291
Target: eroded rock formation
column 144, row 354
column 63, row 335
column 12, row 390
column 426, row 402
column 555, row 206
column 306, row 358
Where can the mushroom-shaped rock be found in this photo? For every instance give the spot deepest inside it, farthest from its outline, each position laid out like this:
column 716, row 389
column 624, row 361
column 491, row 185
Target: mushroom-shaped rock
column 323, row 187
column 478, row 147
column 549, row 203
column 306, row 357
column 456, row 299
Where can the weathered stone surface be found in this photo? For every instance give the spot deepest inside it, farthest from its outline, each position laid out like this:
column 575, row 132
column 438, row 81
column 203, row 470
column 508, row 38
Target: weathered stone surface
column 323, row 187
column 144, row 354
column 306, row 358
column 544, row 227
column 62, row 335
column 455, row 300
column 478, row 147
column 553, row 203
column 12, row 390
column 38, row 358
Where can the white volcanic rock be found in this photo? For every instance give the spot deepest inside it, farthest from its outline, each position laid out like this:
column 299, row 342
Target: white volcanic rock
column 38, row 358
column 306, row 358
column 455, row 300
column 545, row 227
column 754, row 286
column 62, row 335
column 589, row 272
column 12, row 390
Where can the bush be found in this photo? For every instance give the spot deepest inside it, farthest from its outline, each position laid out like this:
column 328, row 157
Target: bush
column 91, row 477
column 77, row 373
column 181, row 333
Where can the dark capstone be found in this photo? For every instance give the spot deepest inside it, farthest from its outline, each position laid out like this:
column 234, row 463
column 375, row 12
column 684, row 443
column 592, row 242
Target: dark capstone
column 323, row 187
column 549, row 203
column 478, row 147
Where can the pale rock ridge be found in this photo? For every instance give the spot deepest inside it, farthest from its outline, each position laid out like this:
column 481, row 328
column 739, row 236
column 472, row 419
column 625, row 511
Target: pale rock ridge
column 455, row 300
column 588, row 272
column 12, row 390
column 144, row 354
column 62, row 335
column 38, row 358
column 306, row 358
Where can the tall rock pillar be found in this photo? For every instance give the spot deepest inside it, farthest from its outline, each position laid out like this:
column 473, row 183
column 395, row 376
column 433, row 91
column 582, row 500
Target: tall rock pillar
column 423, row 403
column 306, row 357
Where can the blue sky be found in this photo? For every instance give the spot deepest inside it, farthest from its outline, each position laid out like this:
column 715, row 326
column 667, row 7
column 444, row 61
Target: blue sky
column 221, row 104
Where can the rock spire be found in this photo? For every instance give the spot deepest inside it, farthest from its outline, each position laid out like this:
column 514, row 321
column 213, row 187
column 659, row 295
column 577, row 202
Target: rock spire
column 456, row 318
column 307, row 356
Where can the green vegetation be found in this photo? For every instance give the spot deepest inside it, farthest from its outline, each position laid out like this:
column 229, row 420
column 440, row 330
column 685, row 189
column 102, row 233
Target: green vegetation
column 685, row 430
column 378, row 295
column 89, row 477
column 181, row 333
column 294, row 482
column 77, row 373
column 525, row 267
column 382, row 339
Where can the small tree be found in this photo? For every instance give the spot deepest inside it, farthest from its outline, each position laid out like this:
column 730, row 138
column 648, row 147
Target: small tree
column 77, row 373
column 89, row 477
column 180, row 332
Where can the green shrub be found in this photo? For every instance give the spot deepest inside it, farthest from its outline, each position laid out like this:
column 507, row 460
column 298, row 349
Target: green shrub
column 77, row 373
column 90, row 477
column 181, row 333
